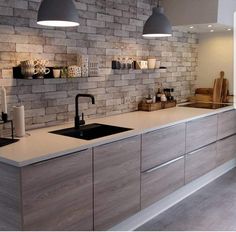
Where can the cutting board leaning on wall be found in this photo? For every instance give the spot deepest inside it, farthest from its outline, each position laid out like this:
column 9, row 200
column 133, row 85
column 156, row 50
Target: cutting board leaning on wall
column 221, row 89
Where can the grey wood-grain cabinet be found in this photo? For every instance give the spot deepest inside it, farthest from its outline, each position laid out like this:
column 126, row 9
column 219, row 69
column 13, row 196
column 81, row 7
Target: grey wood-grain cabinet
column 226, row 124
column 10, row 198
column 199, row 162
column 226, row 150
column 116, row 182
column 57, row 194
column 50, row 195
column 162, row 180
column 201, row 132
column 162, row 145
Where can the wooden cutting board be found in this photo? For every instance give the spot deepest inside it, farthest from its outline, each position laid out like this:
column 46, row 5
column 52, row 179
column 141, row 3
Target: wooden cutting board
column 219, row 89
column 225, row 90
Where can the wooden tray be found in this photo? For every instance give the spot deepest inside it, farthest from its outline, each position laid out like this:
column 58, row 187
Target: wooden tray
column 156, row 106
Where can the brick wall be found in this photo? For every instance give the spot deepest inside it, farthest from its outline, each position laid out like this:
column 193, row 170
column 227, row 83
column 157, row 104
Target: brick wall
column 109, row 28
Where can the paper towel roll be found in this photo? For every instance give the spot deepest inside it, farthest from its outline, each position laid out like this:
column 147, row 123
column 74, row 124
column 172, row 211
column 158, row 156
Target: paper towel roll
column 19, row 120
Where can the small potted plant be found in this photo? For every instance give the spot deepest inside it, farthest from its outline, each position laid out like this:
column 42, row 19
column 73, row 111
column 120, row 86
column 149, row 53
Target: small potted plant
column 56, row 72
column 64, row 72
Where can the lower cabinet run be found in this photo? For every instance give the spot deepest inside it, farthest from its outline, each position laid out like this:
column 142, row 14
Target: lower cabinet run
column 57, row 194
column 100, row 187
column 158, row 182
column 116, row 182
column 200, row 162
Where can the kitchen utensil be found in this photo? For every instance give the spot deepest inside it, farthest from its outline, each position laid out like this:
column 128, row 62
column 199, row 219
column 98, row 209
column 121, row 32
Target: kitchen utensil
column 221, row 89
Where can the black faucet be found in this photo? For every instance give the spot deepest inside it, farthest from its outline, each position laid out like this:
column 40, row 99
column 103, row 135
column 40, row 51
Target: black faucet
column 79, row 122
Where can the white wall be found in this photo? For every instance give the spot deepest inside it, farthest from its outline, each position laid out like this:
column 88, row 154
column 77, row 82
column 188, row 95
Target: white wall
column 215, row 55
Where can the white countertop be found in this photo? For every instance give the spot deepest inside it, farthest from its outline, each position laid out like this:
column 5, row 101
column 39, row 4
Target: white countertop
column 41, row 145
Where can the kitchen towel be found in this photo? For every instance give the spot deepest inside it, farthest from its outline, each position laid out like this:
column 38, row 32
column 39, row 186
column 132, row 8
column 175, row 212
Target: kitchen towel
column 19, row 120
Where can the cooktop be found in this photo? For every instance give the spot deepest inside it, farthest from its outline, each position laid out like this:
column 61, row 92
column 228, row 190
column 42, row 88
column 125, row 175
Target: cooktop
column 206, row 105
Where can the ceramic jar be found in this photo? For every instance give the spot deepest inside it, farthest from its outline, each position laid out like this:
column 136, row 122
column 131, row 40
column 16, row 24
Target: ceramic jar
column 74, row 71
column 85, row 66
column 28, row 68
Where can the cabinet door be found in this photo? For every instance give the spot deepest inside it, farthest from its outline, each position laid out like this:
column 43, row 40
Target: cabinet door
column 158, row 182
column 226, row 124
column 10, row 201
column 116, row 182
column 57, row 194
column 162, row 145
column 201, row 132
column 200, row 162
column 226, row 150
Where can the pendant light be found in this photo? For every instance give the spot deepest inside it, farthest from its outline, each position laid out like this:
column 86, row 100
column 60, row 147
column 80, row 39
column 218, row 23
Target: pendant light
column 58, row 13
column 157, row 24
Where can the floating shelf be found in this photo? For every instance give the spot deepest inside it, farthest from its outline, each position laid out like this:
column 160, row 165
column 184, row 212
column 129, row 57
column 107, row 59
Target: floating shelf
column 17, row 75
column 137, row 71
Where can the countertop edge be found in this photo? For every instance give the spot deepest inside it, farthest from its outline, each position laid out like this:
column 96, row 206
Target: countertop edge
column 108, row 139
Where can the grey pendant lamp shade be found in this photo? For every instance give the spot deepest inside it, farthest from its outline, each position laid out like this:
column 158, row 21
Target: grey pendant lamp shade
column 58, row 13
column 157, row 24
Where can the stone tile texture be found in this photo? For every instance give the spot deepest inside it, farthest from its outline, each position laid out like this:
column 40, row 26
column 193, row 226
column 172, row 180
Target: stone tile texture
column 108, row 29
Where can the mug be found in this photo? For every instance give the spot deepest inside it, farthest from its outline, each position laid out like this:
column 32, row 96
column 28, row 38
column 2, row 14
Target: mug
column 41, row 71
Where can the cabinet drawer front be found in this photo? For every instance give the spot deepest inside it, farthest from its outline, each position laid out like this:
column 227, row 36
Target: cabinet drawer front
column 160, row 182
column 57, row 194
column 162, row 145
column 226, row 124
column 116, row 182
column 201, row 132
column 226, row 150
column 200, row 162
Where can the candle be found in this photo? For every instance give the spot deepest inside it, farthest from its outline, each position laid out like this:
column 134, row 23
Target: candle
column 4, row 100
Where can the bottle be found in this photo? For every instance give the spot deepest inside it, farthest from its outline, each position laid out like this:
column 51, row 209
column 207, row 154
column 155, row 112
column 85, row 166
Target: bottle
column 158, row 95
column 163, row 97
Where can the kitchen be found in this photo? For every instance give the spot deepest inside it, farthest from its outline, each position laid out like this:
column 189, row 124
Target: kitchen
column 43, row 166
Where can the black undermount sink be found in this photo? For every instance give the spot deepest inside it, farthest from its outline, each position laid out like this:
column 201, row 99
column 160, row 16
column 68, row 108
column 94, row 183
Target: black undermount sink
column 5, row 141
column 90, row 131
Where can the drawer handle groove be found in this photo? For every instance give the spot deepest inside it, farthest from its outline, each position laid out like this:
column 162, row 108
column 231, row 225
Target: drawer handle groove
column 164, row 165
column 201, row 148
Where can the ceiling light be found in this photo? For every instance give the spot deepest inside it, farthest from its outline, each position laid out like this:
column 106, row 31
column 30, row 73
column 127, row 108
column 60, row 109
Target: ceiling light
column 209, row 26
column 211, row 30
column 229, row 29
column 58, row 13
column 157, row 24
column 191, row 27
